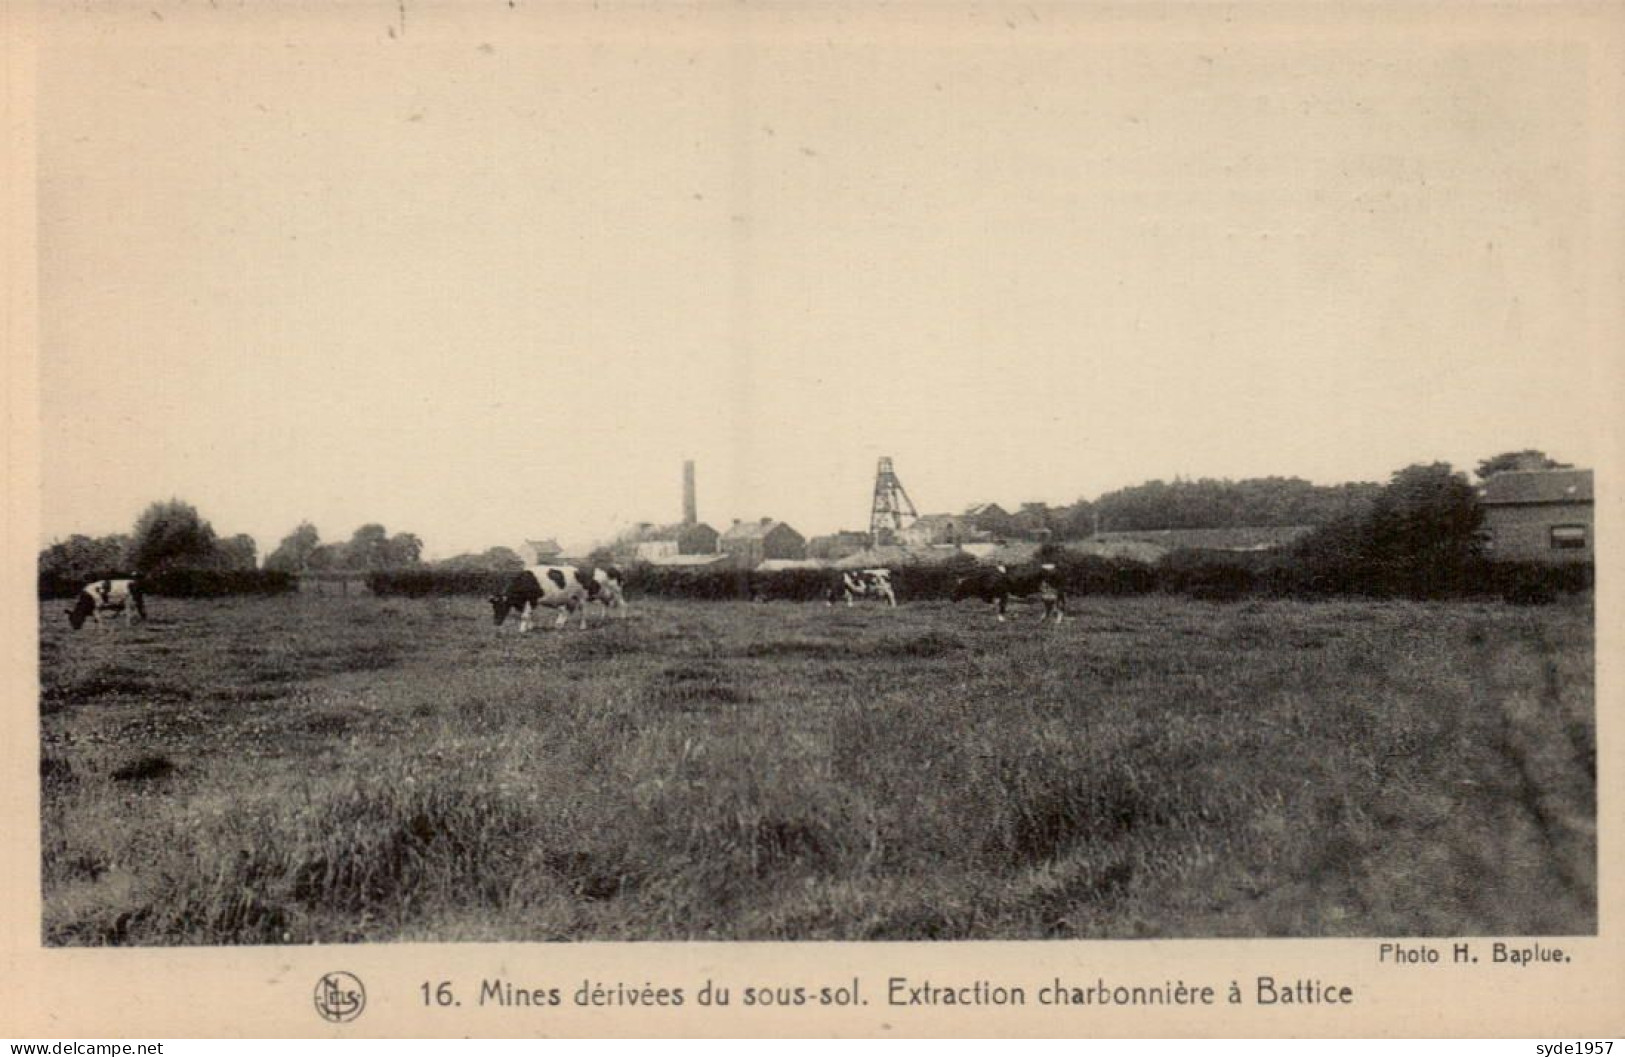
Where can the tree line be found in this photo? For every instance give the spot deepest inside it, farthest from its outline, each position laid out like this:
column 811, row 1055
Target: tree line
column 1417, row 536
column 173, row 537
column 1193, row 504
column 1209, row 503
column 1425, row 517
column 370, row 549
column 168, row 535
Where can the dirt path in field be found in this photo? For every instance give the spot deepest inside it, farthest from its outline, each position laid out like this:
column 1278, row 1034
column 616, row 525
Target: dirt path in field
column 1549, row 747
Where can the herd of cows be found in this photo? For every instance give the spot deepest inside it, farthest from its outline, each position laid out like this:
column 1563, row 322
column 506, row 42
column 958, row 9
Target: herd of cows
column 569, row 589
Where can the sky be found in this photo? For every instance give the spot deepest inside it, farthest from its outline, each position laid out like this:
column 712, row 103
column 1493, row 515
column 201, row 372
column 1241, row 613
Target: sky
column 488, row 273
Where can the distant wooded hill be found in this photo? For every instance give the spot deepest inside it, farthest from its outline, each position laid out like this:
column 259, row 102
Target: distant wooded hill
column 1210, row 503
column 1198, row 504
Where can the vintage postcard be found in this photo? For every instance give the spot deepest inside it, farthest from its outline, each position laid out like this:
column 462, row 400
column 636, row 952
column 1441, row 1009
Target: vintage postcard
column 567, row 518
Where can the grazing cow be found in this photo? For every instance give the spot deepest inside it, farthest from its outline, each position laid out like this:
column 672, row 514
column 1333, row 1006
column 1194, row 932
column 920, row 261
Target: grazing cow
column 611, row 593
column 997, row 586
column 863, row 583
column 108, row 596
column 561, row 587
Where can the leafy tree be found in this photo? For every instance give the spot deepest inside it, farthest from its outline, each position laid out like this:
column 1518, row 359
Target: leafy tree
column 171, row 535
column 372, row 548
column 292, row 555
column 1076, row 522
column 327, row 556
column 403, row 551
column 1035, row 521
column 1428, row 514
column 1209, row 503
column 83, row 557
column 238, row 552
column 1419, row 536
column 368, row 548
column 503, row 560
column 1528, row 459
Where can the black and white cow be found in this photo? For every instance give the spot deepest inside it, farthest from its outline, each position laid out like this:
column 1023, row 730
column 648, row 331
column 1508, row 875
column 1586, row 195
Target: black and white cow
column 998, row 585
column 863, row 583
column 565, row 588
column 108, row 596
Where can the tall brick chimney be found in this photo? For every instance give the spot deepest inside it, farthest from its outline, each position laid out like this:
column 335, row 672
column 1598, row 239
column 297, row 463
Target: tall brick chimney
column 691, row 510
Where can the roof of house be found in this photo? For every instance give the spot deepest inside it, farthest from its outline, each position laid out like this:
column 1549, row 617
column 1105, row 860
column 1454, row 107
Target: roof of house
column 933, row 520
column 549, row 544
column 683, row 559
column 893, row 555
column 662, row 533
column 1537, row 486
column 842, row 536
column 753, row 530
column 773, row 565
column 1016, row 553
column 978, row 509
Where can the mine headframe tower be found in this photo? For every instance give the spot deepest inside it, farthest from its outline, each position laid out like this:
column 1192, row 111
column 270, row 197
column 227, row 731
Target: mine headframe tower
column 890, row 507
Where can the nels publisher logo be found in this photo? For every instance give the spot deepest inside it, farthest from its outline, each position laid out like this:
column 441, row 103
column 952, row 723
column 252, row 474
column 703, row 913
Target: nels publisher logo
column 340, row 997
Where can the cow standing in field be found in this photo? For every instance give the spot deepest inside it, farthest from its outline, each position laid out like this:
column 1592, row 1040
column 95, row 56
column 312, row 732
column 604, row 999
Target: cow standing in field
column 864, row 583
column 998, row 585
column 611, row 593
column 561, row 587
column 108, row 596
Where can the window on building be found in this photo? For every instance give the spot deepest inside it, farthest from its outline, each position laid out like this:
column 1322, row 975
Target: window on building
column 1568, row 537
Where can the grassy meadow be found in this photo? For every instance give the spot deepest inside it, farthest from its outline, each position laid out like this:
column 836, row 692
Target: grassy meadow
column 292, row 770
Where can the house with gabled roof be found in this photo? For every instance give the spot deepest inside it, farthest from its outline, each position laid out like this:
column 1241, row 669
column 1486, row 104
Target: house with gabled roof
column 541, row 552
column 752, row 542
column 1539, row 516
column 837, row 545
column 647, row 542
column 934, row 530
column 989, row 518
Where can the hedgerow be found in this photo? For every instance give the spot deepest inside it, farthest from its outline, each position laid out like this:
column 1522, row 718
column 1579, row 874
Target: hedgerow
column 182, row 583
column 424, row 583
column 1213, row 576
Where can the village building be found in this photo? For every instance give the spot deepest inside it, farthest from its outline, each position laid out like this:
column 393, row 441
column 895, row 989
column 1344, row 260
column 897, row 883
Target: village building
column 1539, row 516
column 649, row 550
column 750, row 543
column 931, row 530
column 989, row 519
column 980, row 523
column 648, row 542
column 837, row 545
column 541, row 552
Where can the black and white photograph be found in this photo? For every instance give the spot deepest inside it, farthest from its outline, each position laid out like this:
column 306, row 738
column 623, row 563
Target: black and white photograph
column 571, row 483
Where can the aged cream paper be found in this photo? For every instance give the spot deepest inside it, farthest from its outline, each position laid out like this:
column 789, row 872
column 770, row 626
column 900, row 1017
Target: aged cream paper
column 739, row 192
